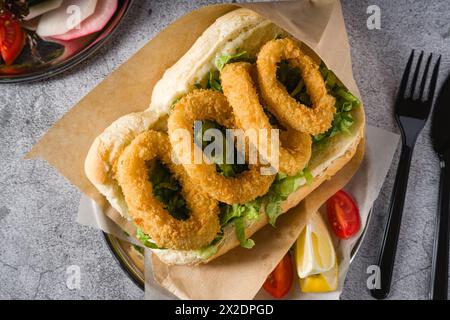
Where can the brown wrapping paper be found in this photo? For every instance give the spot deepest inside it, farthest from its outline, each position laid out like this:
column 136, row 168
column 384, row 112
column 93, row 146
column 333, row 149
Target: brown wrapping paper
column 240, row 273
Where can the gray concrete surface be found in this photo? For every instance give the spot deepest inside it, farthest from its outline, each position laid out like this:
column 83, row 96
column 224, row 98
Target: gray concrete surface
column 38, row 232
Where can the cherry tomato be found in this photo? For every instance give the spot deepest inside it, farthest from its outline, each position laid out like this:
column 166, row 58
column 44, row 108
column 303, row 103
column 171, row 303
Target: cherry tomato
column 12, row 38
column 343, row 215
column 279, row 282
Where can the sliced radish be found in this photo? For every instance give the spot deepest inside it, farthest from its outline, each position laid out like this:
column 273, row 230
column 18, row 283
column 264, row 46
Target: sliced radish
column 97, row 21
column 64, row 19
column 43, row 7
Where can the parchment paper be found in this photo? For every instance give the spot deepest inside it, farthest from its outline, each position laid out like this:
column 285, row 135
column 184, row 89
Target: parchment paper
column 319, row 24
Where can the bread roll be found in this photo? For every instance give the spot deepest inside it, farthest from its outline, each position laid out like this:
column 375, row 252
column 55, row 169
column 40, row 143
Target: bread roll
column 241, row 29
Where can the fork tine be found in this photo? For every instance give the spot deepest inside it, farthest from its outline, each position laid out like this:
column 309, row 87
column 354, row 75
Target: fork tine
column 402, row 89
column 424, row 78
column 416, row 74
column 434, row 80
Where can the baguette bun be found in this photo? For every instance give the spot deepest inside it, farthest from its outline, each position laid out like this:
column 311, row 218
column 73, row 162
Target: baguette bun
column 241, row 29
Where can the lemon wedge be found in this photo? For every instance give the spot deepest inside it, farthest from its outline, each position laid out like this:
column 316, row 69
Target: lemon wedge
column 314, row 250
column 324, row 282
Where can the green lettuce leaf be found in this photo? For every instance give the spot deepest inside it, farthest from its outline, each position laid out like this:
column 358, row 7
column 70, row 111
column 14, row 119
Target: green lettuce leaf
column 273, row 208
column 308, row 176
column 239, row 224
column 145, row 239
column 280, row 190
column 229, row 212
column 214, row 82
column 210, row 250
column 346, row 102
column 238, row 214
column 207, row 252
column 249, row 211
column 222, row 60
column 204, row 253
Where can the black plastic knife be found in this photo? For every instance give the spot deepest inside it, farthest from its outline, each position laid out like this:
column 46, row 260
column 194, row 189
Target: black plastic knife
column 440, row 135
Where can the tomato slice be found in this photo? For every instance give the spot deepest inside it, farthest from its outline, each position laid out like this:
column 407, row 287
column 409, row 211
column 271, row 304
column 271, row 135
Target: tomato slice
column 12, row 38
column 279, row 282
column 343, row 215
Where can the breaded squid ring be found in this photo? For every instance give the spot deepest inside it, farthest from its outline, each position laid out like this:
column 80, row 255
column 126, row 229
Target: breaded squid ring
column 211, row 105
column 202, row 226
column 287, row 110
column 240, row 90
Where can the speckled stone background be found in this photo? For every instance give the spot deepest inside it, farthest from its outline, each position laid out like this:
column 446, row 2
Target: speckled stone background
column 38, row 232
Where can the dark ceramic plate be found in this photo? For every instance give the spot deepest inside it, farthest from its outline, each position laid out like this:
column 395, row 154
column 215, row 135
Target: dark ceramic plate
column 73, row 52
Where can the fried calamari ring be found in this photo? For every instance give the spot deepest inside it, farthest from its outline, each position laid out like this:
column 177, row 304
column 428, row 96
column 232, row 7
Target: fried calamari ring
column 211, row 105
column 239, row 88
column 148, row 213
column 287, row 110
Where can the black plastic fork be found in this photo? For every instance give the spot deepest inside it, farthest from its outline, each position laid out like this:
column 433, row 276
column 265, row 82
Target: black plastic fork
column 412, row 109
